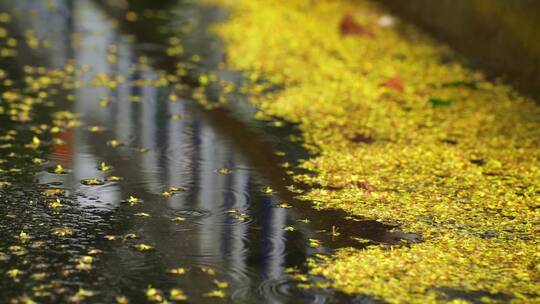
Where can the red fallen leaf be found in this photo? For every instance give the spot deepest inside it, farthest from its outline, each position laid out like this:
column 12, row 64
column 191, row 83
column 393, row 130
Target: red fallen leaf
column 365, row 186
column 348, row 26
column 394, row 83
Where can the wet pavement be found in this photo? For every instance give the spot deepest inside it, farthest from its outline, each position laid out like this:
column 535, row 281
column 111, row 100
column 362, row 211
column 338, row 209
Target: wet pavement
column 149, row 189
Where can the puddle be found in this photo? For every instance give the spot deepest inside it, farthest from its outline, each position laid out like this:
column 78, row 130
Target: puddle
column 159, row 185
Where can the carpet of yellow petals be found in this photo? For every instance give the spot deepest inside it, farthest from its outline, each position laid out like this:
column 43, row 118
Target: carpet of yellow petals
column 404, row 135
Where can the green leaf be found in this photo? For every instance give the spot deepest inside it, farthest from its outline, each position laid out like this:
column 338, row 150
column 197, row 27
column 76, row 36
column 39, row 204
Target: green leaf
column 439, row 102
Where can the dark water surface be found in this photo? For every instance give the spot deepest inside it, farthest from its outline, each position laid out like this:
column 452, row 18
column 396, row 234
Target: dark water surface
column 221, row 223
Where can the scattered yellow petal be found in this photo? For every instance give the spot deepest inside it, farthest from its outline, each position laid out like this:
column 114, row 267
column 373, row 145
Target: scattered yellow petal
column 177, row 271
column 143, row 247
column 221, row 284
column 215, row 294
